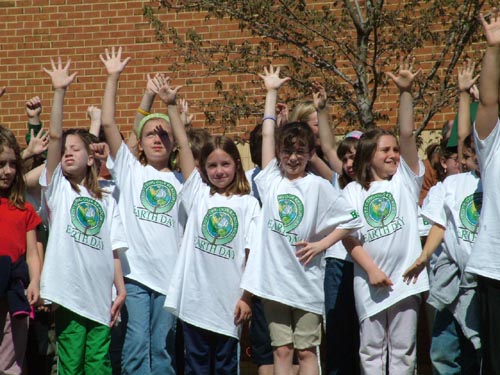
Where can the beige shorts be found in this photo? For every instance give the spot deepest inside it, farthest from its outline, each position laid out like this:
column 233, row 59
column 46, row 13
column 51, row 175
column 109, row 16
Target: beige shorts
column 288, row 325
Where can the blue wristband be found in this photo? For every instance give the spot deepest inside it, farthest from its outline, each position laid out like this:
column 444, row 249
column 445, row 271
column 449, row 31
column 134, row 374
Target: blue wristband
column 269, row 118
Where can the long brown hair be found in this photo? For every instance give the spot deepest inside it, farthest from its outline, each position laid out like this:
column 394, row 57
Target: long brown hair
column 346, row 146
column 18, row 187
column 364, row 153
column 91, row 182
column 239, row 185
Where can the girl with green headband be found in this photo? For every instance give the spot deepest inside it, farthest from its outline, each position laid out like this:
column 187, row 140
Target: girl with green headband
column 150, row 211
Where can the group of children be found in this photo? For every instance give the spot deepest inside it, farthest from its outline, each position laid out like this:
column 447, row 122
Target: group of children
column 207, row 244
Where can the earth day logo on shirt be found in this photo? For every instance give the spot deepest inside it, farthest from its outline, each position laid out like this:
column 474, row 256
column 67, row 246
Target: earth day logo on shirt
column 380, row 212
column 379, row 209
column 291, row 211
column 87, row 215
column 158, row 196
column 220, row 225
column 470, row 210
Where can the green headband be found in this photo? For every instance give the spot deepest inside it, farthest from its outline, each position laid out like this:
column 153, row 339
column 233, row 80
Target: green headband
column 152, row 116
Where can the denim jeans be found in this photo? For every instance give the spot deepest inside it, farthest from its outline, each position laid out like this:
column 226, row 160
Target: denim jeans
column 342, row 326
column 451, row 351
column 148, row 348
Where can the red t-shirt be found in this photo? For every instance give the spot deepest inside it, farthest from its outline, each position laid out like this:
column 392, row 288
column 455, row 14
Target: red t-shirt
column 14, row 224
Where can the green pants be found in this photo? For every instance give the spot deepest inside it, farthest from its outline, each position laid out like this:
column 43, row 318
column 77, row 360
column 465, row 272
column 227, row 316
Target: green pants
column 82, row 344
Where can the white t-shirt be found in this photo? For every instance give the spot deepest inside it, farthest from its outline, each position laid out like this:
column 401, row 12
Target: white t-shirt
column 485, row 256
column 304, row 209
column 205, row 284
column 78, row 269
column 338, row 250
column 459, row 214
column 389, row 235
column 149, row 209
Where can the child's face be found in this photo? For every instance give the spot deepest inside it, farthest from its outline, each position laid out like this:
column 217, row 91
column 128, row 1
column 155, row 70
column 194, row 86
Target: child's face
column 294, row 160
column 151, row 143
column 75, row 159
column 221, row 169
column 469, row 160
column 385, row 160
column 347, row 162
column 451, row 164
column 7, row 169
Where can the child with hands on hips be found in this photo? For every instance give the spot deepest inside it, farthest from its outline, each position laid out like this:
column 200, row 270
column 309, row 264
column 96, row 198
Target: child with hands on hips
column 388, row 180
column 86, row 234
column 150, row 209
column 301, row 217
column 221, row 220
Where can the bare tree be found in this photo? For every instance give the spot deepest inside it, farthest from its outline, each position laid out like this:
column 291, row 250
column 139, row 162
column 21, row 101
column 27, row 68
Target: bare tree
column 347, row 45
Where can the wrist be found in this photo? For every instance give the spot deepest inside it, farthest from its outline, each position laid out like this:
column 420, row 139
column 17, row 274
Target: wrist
column 142, row 111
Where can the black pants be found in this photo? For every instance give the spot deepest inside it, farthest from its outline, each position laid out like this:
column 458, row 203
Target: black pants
column 489, row 295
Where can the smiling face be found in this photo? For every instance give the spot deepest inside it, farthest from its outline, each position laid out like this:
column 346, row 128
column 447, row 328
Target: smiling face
column 385, row 159
column 75, row 158
column 220, row 169
column 294, row 159
column 152, row 146
column 8, row 170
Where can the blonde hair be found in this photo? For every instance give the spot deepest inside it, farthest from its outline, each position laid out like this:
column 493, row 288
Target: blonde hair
column 91, row 182
column 302, row 111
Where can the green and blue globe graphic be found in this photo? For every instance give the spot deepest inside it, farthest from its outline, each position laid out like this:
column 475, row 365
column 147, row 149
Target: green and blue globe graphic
column 291, row 211
column 158, row 196
column 470, row 209
column 379, row 209
column 87, row 215
column 220, row 225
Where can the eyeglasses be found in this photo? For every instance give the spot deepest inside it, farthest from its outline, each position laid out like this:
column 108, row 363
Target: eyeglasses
column 287, row 152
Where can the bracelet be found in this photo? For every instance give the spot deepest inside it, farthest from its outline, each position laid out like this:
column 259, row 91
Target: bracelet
column 142, row 111
column 269, row 118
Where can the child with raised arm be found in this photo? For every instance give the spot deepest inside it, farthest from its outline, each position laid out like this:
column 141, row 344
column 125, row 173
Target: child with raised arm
column 388, row 180
column 86, row 234
column 285, row 269
column 149, row 207
column 484, row 260
column 221, row 221
column 453, row 207
column 341, row 320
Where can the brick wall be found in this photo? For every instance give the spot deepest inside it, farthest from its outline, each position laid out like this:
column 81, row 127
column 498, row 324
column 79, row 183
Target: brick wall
column 31, row 32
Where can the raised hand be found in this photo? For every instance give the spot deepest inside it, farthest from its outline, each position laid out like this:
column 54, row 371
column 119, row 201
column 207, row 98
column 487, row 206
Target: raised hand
column 167, row 93
column 113, row 61
column 94, row 113
column 154, row 84
column 491, row 29
column 33, row 107
column 38, row 144
column 319, row 96
column 282, row 110
column 405, row 76
column 271, row 77
column 61, row 79
column 186, row 117
column 466, row 79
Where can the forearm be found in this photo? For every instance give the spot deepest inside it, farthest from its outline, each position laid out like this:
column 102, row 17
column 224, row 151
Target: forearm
column 406, row 126
column 464, row 124
column 268, row 127
column 187, row 163
column 434, row 239
column 118, row 280
column 327, row 140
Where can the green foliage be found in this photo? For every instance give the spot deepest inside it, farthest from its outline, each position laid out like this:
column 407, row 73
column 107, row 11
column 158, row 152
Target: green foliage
column 347, row 45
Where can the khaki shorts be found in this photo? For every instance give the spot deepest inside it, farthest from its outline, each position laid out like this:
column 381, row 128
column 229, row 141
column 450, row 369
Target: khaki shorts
column 288, row 325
